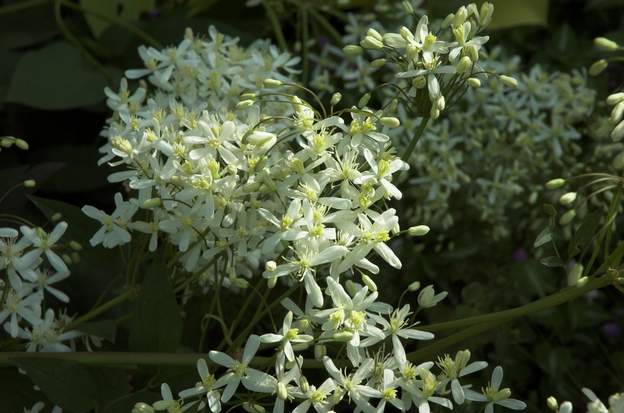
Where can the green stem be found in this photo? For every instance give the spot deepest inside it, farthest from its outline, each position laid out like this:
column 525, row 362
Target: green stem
column 550, row 301
column 24, row 4
column 126, row 295
column 417, row 135
column 277, row 28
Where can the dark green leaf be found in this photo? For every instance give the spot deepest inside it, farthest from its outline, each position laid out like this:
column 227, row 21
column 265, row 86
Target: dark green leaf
column 587, row 229
column 544, row 237
column 56, row 77
column 114, row 9
column 104, row 328
column 156, row 324
column 66, row 383
column 111, row 384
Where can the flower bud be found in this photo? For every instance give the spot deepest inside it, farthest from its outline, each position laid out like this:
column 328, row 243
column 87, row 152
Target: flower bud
column 320, row 351
column 7, row 141
column 425, row 297
column 240, row 283
column 413, row 286
column 244, row 104
column 552, row 404
column 407, row 7
column 508, row 80
column 418, row 230
column 555, row 183
column 464, row 65
column 272, row 82
column 351, row 287
column 342, row 336
column 371, row 43
column 618, row 132
column 272, row 282
column 253, row 407
column 460, row 16
column 30, row 183
column 377, row 63
column 567, row 198
column 617, row 113
column 485, row 14
column 67, row 258
column 374, row 34
column 352, row 50
column 566, row 407
column 615, row 98
column 270, row 266
column 390, row 121
column 142, row 408
column 419, row 82
column 605, row 44
column 567, row 217
column 152, row 203
column 574, row 274
column 22, row 144
column 75, row 245
column 473, row 82
column 248, row 96
column 303, row 384
column 282, row 392
column 368, row 281
column 618, row 162
column 335, row 99
column 447, row 21
column 598, row 67
column 57, row 217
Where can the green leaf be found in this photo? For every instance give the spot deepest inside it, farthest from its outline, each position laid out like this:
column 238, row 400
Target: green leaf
column 111, row 384
column 552, row 261
column 124, row 10
column 544, row 237
column 509, row 13
column 66, row 383
column 56, row 77
column 156, row 324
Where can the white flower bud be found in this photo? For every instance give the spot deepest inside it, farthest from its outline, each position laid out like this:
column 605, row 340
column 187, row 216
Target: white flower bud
column 574, row 274
column 598, row 67
column 508, row 80
column 419, row 82
column 57, row 216
column 303, row 384
column 394, row 40
column 605, row 44
column 615, row 98
column 464, row 65
column 272, row 282
column 75, row 245
column 374, row 34
column 617, row 113
column 473, row 82
column 335, row 99
column 30, row 183
column 418, row 230
column 248, row 96
column 390, row 121
column 566, row 407
column 282, row 392
column 342, row 336
column 67, row 258
column 485, row 14
column 272, row 82
column 618, row 132
column 320, row 351
column 552, row 404
column 407, row 7
column 413, row 286
column 152, row 203
column 405, row 32
column 567, row 217
column 364, row 100
column 270, row 266
column 370, row 42
column 567, row 198
column 447, row 21
column 460, row 16
column 555, row 183
column 425, row 297
column 352, row 50
column 368, row 281
column 142, row 408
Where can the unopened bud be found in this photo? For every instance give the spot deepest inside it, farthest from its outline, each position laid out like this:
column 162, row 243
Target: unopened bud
column 272, row 282
column 508, row 80
column 320, row 351
column 352, row 50
column 615, row 98
column 598, row 67
column 555, row 183
column 419, row 82
column 7, row 142
column 342, row 336
column 617, row 113
column 30, row 183
column 418, row 230
column 407, row 7
column 364, row 100
column 473, row 82
column 368, row 281
column 272, row 82
column 552, row 404
column 574, row 274
column 618, row 132
column 566, row 407
column 413, row 286
column 465, row 63
column 374, row 34
column 567, row 217
column 303, row 384
column 270, row 266
column 282, row 392
column 22, row 144
column 142, row 408
column 335, row 99
column 253, row 407
column 567, row 198
column 75, row 245
column 370, row 42
column 244, row 104
column 351, row 287
column 485, row 14
column 56, row 217
column 390, row 121
column 152, row 203
column 605, row 44
column 248, row 96
column 377, row 63
column 240, row 283
column 618, row 162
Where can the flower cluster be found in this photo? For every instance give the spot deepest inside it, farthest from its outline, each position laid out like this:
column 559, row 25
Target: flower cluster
column 594, row 405
column 33, row 266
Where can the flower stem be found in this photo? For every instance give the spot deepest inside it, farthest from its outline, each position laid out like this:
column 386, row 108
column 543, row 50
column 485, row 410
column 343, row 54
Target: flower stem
column 417, row 135
column 126, row 295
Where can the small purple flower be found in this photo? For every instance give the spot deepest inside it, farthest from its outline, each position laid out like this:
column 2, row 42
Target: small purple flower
column 520, row 255
column 611, row 329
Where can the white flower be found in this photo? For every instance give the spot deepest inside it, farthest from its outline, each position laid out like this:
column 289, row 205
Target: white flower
column 114, row 227
column 205, row 386
column 286, row 337
column 236, row 369
column 494, row 395
column 44, row 243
